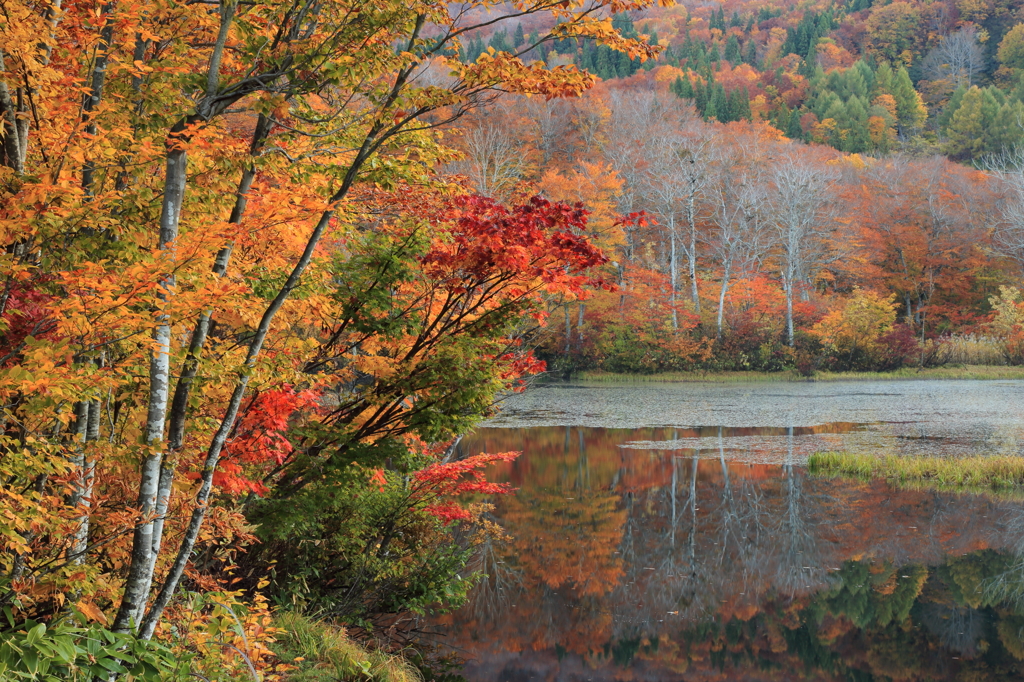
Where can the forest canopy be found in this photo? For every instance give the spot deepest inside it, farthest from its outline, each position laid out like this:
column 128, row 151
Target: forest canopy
column 265, row 263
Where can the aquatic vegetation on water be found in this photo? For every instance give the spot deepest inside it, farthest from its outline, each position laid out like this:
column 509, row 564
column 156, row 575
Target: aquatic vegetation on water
column 989, row 372
column 1002, row 474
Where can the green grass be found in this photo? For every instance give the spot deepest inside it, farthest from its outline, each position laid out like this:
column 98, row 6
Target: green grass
column 325, row 653
column 999, row 474
column 988, row 372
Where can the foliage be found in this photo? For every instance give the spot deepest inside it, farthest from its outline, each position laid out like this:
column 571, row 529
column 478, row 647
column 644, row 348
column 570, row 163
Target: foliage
column 230, row 261
column 1008, row 324
column 73, row 649
column 375, row 542
column 854, row 333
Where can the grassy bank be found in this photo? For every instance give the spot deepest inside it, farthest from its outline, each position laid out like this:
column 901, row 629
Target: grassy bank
column 988, row 372
column 1004, row 475
column 321, row 652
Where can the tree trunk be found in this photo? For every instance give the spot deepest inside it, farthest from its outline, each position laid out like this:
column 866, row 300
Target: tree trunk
column 143, row 561
column 788, row 286
column 721, row 297
column 672, row 267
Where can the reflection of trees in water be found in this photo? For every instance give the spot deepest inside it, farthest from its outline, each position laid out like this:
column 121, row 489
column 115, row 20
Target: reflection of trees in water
column 611, row 546
column 958, row 628
column 501, row 583
column 1008, row 586
column 799, row 561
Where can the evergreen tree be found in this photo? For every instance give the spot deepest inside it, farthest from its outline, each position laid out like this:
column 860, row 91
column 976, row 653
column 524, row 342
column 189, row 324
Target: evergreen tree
column 602, row 64
column 517, row 37
column 700, row 97
column 866, row 74
column 735, row 20
column 721, row 18
column 718, row 104
column 623, row 64
column 794, row 130
column 779, row 118
column 910, row 109
column 1006, row 132
column 732, row 50
column 967, row 129
column 682, row 87
column 499, row 41
column 751, row 54
column 474, row 50
column 750, row 25
column 949, row 110
column 739, row 105
column 713, row 55
column 884, row 80
column 623, row 23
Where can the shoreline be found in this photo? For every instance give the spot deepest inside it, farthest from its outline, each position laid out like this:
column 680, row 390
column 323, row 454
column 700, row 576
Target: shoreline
column 961, row 372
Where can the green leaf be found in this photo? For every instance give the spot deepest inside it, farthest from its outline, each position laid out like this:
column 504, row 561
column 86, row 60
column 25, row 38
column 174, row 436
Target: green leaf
column 35, row 634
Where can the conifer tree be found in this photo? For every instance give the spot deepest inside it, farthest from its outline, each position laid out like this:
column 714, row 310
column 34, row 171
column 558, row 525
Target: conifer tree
column 884, row 80
column 714, row 56
column 794, row 130
column 949, row 110
column 700, row 97
column 750, row 57
column 732, row 50
column 517, row 37
column 499, row 41
column 910, row 110
column 967, row 130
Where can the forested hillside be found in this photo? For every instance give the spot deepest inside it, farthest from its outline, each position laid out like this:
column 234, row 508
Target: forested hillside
column 819, row 186
column 859, row 76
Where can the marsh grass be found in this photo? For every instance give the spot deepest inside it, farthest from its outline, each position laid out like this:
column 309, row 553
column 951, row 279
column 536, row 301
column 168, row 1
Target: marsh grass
column 1000, row 474
column 326, row 653
column 984, row 372
column 967, row 349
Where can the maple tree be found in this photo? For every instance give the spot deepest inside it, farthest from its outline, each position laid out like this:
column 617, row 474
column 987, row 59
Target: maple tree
column 188, row 270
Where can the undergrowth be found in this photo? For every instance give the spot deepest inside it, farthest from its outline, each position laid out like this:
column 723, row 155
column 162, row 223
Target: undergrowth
column 321, row 652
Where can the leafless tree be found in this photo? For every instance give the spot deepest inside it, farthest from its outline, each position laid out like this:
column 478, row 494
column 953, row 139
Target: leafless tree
column 738, row 201
column 676, row 184
column 551, row 122
column 802, row 213
column 958, row 58
column 1008, row 234
column 494, row 161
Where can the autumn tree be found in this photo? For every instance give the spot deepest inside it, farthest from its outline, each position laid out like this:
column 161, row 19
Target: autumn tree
column 167, row 247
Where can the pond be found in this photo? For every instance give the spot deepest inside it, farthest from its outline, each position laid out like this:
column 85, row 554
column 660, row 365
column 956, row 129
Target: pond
column 672, row 532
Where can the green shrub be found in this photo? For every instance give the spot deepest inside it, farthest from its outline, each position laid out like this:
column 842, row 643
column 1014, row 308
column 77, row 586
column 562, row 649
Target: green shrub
column 67, row 651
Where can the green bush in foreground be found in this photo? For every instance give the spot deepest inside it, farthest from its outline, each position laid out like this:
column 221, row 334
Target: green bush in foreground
column 64, row 651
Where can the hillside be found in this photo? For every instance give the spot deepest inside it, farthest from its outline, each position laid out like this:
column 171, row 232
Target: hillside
column 859, row 76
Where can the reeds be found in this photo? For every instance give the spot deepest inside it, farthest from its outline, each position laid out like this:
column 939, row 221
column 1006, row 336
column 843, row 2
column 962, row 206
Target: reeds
column 1001, row 474
column 968, row 349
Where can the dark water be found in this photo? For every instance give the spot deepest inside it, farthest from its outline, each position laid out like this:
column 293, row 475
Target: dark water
column 708, row 553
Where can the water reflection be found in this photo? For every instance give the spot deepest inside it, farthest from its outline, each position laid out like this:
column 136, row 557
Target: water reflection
column 685, row 563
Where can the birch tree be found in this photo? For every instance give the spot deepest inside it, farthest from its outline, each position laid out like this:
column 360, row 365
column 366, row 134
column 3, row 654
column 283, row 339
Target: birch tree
column 802, row 209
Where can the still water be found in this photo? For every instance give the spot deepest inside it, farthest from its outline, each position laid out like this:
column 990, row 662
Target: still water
column 671, row 532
